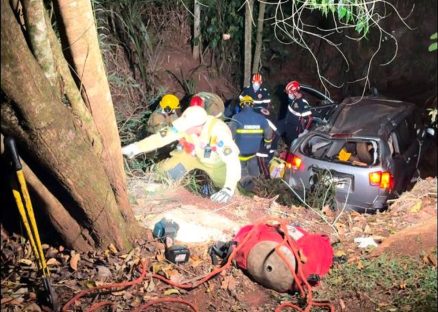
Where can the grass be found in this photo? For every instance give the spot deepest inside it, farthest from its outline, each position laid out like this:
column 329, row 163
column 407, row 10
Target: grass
column 399, row 284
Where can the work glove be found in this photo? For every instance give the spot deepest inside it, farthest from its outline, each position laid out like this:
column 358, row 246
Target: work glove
column 130, row 150
column 223, row 196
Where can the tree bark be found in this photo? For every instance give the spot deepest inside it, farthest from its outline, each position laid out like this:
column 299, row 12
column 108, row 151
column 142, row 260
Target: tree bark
column 248, row 36
column 37, row 30
column 259, row 38
column 71, row 91
column 196, row 30
column 47, row 129
column 66, row 226
column 77, row 17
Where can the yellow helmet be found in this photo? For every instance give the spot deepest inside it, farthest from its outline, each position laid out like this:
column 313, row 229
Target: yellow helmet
column 169, row 102
column 246, row 101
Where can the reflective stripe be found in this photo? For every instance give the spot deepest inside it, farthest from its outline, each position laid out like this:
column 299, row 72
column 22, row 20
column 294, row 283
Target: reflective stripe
column 271, row 124
column 245, row 158
column 252, row 131
column 261, row 155
column 268, row 140
column 298, row 114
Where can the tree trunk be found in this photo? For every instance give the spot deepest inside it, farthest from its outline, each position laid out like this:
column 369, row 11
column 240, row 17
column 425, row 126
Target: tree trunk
column 80, row 29
column 46, row 130
column 36, row 28
column 248, row 36
column 196, row 30
column 66, row 226
column 259, row 38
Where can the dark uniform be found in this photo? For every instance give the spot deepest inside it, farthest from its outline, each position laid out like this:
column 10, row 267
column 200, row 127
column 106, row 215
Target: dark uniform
column 298, row 118
column 261, row 97
column 249, row 129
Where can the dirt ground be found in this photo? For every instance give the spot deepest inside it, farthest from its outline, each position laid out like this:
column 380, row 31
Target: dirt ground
column 407, row 228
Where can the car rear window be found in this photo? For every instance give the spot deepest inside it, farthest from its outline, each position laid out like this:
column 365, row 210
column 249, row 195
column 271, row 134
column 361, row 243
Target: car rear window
column 361, row 153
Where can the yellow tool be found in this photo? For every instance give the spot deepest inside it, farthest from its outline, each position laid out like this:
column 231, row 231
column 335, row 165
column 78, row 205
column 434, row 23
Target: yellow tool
column 28, row 218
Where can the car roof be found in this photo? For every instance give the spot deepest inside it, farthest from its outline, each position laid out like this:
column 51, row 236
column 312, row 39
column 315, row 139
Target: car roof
column 368, row 116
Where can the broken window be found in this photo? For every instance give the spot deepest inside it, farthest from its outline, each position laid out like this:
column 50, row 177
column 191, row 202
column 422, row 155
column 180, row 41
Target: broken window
column 362, row 153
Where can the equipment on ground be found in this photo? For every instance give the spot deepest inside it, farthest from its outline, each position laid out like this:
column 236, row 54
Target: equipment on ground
column 165, row 228
column 28, row 218
column 177, row 254
column 273, row 269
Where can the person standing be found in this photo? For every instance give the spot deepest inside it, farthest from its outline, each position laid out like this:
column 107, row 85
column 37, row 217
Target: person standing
column 298, row 117
column 259, row 94
column 249, row 129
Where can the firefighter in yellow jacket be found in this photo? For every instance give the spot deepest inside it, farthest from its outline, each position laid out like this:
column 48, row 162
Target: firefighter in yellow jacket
column 205, row 143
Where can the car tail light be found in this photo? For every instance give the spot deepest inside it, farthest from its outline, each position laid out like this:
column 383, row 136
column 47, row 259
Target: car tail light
column 383, row 179
column 293, row 161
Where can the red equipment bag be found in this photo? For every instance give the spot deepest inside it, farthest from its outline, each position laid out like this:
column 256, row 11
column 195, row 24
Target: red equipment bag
column 315, row 251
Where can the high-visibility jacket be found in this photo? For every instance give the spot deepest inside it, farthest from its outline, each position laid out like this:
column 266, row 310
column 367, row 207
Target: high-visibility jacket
column 249, row 129
column 214, row 147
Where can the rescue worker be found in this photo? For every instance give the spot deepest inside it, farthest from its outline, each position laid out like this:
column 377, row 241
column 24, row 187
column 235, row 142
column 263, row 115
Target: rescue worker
column 249, row 130
column 205, row 143
column 298, row 116
column 260, row 95
column 165, row 113
column 211, row 102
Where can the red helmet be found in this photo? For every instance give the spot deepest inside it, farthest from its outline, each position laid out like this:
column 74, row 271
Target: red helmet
column 292, row 87
column 257, row 78
column 196, row 101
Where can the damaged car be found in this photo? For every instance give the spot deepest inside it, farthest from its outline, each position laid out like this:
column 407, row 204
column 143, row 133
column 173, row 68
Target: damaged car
column 368, row 152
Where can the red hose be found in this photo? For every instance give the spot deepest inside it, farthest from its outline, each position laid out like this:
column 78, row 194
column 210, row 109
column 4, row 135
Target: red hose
column 305, row 292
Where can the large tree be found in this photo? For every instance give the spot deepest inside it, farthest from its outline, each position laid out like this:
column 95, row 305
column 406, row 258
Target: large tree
column 65, row 128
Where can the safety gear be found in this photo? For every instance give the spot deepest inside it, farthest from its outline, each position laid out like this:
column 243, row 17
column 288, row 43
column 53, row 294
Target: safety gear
column 211, row 149
column 223, row 196
column 292, row 87
column 259, row 257
column 256, row 86
column 193, row 116
column 213, row 103
column 257, row 78
column 291, row 96
column 196, row 101
column 130, row 150
column 169, row 103
column 246, row 101
column 261, row 97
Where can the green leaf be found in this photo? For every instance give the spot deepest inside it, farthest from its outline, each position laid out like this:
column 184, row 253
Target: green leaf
column 433, row 47
column 342, row 11
column 359, row 27
column 434, row 36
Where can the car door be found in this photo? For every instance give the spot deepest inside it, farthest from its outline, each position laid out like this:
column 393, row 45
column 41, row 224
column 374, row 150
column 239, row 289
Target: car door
column 405, row 148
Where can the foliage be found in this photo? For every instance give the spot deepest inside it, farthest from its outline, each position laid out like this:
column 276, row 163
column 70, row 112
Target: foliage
column 218, row 18
column 401, row 284
column 433, row 45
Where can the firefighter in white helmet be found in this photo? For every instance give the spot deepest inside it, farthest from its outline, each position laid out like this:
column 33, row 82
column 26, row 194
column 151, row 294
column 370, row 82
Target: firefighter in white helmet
column 205, row 143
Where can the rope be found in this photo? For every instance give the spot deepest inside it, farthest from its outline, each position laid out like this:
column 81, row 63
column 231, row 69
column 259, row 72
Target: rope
column 305, row 290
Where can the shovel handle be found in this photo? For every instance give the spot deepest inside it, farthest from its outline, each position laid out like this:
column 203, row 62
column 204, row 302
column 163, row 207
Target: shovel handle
column 10, row 145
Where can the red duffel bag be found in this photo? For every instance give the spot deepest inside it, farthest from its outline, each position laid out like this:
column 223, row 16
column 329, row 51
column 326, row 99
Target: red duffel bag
column 259, row 258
